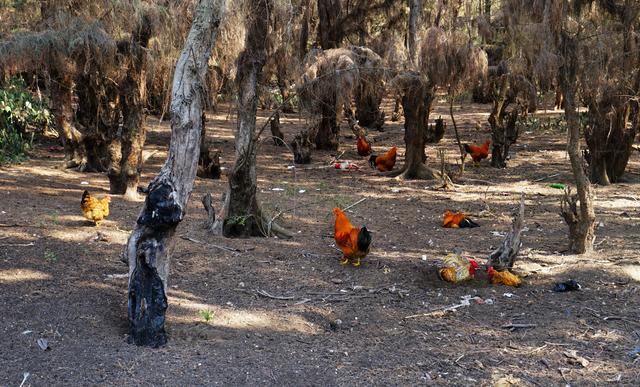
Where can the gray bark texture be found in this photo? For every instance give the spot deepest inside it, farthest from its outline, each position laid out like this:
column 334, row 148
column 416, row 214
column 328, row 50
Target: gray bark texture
column 151, row 243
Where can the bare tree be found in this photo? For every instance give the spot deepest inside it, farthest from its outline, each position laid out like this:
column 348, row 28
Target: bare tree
column 151, row 243
column 581, row 222
column 242, row 215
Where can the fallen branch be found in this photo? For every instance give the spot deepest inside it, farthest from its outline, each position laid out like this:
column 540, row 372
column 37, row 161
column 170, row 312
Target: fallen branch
column 264, row 293
column 18, row 244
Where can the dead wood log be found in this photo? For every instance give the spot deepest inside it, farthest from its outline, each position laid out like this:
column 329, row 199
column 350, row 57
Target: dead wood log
column 150, row 245
column 207, row 202
column 504, row 256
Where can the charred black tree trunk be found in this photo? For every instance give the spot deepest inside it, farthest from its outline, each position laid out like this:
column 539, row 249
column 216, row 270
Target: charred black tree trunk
column 126, row 151
column 329, row 29
column 581, row 221
column 151, row 242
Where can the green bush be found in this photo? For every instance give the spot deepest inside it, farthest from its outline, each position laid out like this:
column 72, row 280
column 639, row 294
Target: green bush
column 21, row 115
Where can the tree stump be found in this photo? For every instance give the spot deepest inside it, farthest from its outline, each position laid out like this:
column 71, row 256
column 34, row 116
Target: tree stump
column 504, row 256
column 207, row 202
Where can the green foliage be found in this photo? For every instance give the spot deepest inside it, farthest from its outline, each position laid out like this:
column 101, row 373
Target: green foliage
column 556, row 124
column 20, row 116
column 206, row 314
column 50, row 256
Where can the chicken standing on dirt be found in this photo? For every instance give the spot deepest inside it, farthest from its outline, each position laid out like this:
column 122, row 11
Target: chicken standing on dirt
column 457, row 220
column 457, row 269
column 385, row 162
column 364, row 148
column 353, row 242
column 95, row 209
column 478, row 152
column 503, row 277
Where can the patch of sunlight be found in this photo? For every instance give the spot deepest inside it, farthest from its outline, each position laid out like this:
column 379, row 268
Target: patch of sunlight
column 618, row 203
column 88, row 233
column 245, row 319
column 12, row 276
column 632, row 271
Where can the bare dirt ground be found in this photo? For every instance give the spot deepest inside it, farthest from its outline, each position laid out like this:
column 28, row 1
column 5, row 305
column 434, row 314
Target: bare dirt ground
column 284, row 312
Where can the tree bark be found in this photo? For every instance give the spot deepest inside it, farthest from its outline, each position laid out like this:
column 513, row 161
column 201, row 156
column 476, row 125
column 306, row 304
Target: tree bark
column 581, row 223
column 329, row 28
column 328, row 132
column 504, row 130
column 151, row 243
column 415, row 9
column 243, row 215
column 414, row 94
column 126, row 150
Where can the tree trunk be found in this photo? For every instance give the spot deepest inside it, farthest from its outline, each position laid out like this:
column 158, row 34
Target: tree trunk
column 62, row 101
column 504, row 130
column 151, row 243
column 304, row 31
column 126, row 162
column 581, row 223
column 243, row 215
column 415, row 9
column 368, row 111
column 413, row 104
column 329, row 29
column 328, row 133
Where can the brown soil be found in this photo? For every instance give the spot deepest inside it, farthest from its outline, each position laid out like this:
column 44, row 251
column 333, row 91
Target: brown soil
column 284, row 312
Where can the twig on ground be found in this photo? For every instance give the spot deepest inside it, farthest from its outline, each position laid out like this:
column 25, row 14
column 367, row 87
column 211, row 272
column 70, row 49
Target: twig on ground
column 546, row 177
column 18, row 244
column 264, row 293
column 513, row 327
column 354, row 204
column 225, row 248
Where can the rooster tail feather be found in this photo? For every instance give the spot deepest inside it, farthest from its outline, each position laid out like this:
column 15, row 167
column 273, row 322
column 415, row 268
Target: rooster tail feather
column 468, row 223
column 467, row 148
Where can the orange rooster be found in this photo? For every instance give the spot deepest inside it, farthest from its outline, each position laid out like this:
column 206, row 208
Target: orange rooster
column 503, row 277
column 364, row 148
column 95, row 209
column 353, row 242
column 478, row 152
column 384, row 162
column 457, row 220
column 457, row 269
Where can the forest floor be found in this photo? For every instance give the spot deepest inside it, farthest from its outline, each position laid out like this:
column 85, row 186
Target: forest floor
column 284, row 312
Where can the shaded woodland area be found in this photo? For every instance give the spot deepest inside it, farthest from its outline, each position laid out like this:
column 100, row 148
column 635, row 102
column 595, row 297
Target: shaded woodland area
column 225, row 132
